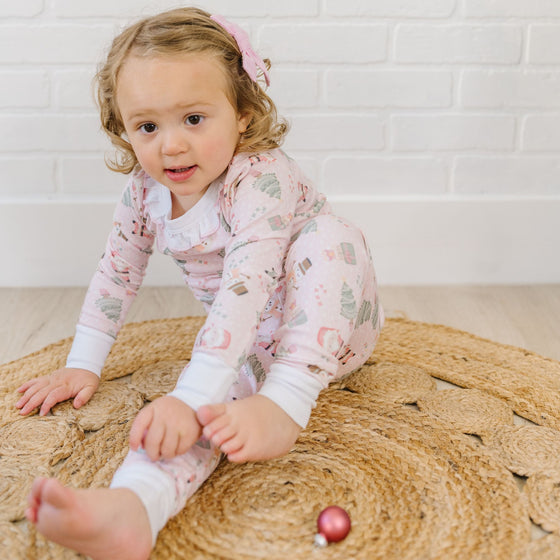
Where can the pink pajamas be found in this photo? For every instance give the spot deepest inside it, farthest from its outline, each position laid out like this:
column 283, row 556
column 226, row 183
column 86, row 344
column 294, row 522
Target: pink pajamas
column 289, row 288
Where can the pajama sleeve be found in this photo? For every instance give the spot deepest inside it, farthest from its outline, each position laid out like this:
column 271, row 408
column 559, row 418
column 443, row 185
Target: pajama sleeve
column 115, row 283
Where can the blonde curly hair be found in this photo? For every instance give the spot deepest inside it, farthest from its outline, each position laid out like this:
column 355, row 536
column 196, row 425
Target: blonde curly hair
column 185, row 31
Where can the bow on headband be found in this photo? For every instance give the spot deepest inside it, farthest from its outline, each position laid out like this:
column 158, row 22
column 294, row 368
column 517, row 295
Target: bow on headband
column 251, row 60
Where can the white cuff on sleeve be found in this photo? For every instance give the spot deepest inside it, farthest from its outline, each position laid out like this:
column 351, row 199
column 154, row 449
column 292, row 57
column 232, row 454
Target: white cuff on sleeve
column 205, row 380
column 294, row 391
column 90, row 349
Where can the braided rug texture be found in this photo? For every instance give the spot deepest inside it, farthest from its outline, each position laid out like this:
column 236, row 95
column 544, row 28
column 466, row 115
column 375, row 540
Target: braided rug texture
column 425, row 472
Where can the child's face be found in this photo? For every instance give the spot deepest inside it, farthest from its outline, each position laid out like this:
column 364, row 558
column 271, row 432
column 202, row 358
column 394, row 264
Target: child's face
column 179, row 121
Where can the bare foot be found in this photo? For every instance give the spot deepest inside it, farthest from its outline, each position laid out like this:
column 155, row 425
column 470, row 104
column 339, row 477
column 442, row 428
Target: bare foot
column 250, row 429
column 102, row 523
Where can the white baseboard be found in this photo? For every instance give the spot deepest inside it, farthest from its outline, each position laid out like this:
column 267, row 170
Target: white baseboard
column 422, row 241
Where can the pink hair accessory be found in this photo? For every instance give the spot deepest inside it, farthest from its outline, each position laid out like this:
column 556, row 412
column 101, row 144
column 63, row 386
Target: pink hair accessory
column 251, row 60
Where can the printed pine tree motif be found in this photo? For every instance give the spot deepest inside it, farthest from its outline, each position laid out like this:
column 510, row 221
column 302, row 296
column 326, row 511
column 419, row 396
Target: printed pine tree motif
column 257, row 367
column 181, row 264
column 203, row 443
column 268, row 183
column 300, row 318
column 347, row 302
column 309, row 227
column 118, row 281
column 225, row 225
column 206, row 297
column 111, row 307
column 276, row 223
column 364, row 314
column 127, row 198
column 317, row 207
column 375, row 316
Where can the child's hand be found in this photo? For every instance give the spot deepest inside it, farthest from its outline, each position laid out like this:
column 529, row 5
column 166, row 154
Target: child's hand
column 59, row 386
column 167, row 427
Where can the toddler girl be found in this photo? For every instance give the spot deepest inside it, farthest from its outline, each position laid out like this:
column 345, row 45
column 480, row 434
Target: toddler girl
column 289, row 288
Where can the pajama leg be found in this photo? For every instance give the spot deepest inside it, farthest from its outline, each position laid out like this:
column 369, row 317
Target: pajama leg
column 165, row 486
column 331, row 313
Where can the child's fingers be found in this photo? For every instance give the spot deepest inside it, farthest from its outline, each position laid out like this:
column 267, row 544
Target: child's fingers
column 30, row 389
column 153, row 440
column 139, row 426
column 42, row 381
column 185, row 442
column 54, row 396
column 169, row 444
column 84, row 395
column 183, row 445
column 30, row 403
column 26, row 385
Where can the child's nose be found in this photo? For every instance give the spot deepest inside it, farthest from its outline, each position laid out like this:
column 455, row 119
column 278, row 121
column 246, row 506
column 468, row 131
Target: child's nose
column 174, row 142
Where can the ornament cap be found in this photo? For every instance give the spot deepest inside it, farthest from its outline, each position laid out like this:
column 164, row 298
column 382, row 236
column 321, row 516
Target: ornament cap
column 320, row 540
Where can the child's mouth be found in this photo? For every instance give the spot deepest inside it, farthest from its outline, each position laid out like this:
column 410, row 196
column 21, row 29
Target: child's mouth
column 180, row 173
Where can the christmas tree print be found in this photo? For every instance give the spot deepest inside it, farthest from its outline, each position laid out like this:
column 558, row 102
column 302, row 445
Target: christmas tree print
column 111, row 307
column 375, row 316
column 347, row 302
column 257, row 367
column 127, row 199
column 319, row 205
column 225, row 225
column 309, row 227
column 364, row 314
column 300, row 318
column 268, row 183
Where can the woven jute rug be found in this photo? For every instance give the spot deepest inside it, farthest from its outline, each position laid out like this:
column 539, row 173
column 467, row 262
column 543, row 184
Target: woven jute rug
column 426, row 469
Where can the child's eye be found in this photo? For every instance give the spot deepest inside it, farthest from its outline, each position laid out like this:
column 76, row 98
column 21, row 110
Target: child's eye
column 193, row 120
column 148, row 128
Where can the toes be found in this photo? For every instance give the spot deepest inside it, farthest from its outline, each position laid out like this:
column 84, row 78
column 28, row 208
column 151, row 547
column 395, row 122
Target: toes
column 220, row 437
column 57, row 495
column 37, row 488
column 232, row 445
column 31, row 514
column 221, row 423
column 34, row 500
column 241, row 456
column 210, row 412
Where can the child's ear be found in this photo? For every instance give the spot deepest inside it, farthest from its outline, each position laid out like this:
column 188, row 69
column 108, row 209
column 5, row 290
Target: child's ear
column 243, row 122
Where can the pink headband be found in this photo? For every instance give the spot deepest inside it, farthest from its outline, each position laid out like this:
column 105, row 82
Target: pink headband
column 251, row 60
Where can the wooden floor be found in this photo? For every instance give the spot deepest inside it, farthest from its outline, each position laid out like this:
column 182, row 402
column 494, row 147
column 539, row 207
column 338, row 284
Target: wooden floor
column 525, row 316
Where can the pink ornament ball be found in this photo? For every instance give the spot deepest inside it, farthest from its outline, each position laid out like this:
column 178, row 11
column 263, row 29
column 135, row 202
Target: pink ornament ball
column 333, row 525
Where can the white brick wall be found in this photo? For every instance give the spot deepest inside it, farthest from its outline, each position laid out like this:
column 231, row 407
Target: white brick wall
column 406, row 113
